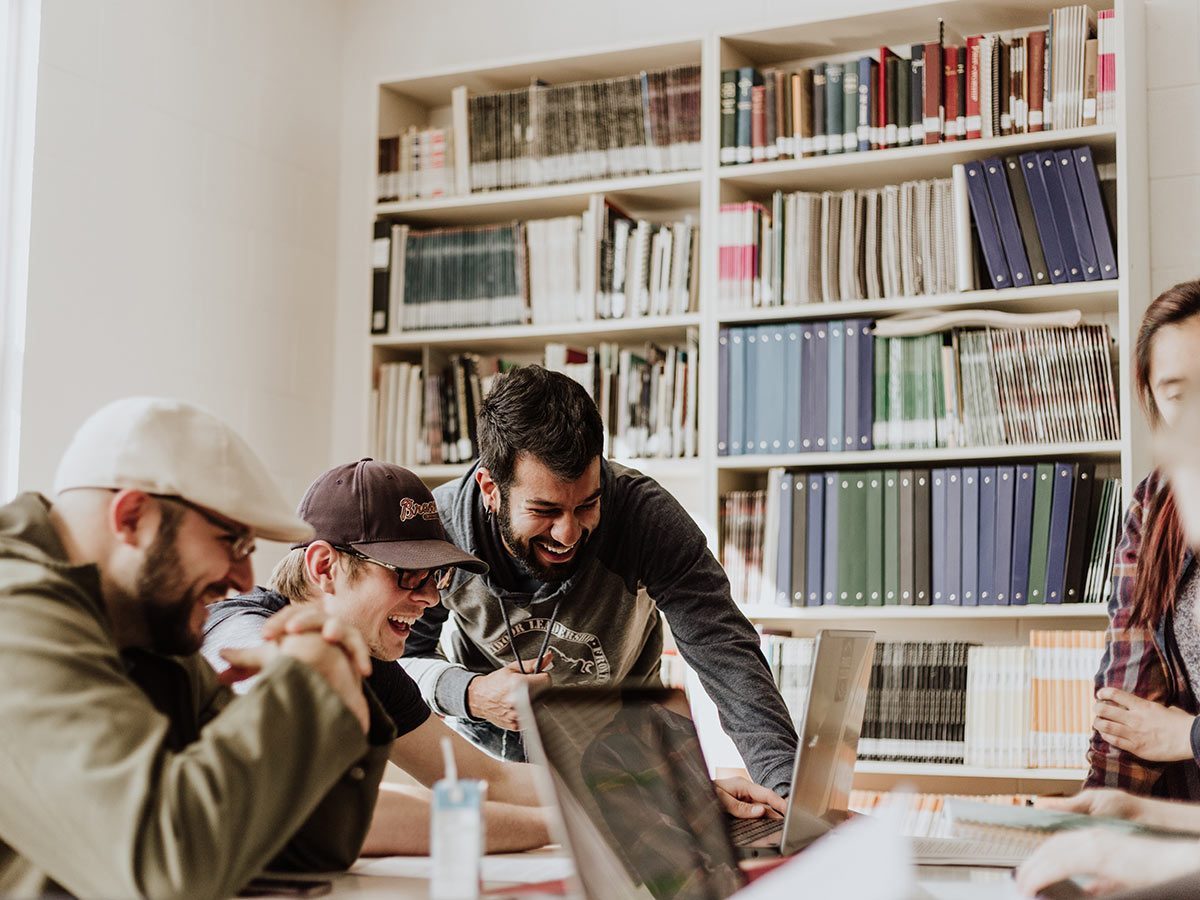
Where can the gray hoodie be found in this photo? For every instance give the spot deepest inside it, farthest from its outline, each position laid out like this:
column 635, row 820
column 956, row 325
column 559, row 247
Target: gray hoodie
column 646, row 557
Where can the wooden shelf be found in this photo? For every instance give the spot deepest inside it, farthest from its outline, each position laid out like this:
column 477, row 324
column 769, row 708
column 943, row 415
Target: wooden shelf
column 865, row 614
column 878, row 167
column 655, row 468
column 933, row 455
column 644, row 194
column 1088, row 297
column 524, row 337
column 943, row 770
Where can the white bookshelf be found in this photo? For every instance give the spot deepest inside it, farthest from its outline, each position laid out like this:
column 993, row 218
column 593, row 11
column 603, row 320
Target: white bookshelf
column 814, row 32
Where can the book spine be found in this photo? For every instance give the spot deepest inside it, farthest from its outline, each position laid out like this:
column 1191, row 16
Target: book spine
column 973, row 123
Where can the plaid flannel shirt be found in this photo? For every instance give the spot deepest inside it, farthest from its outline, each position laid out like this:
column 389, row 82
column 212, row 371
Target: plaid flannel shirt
column 1146, row 662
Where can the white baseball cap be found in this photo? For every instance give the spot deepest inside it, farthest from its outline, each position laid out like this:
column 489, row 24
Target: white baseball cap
column 164, row 446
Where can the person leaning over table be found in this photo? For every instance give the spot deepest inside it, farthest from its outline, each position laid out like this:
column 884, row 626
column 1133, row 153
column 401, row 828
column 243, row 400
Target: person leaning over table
column 585, row 558
column 126, row 767
column 376, row 559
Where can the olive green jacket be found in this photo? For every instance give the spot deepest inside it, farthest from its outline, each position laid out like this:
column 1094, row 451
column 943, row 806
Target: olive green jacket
column 135, row 774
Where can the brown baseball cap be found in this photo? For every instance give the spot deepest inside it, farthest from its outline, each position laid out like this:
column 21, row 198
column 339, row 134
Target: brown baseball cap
column 385, row 512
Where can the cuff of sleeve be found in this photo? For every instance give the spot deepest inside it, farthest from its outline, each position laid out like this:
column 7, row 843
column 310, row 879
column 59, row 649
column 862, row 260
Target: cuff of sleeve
column 450, row 693
column 1196, row 739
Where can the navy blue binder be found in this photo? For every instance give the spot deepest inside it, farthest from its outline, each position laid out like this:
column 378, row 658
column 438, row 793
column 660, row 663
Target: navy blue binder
column 1022, row 515
column 1062, row 217
column 737, row 391
column 1002, row 564
column 829, row 587
column 1043, row 216
column 772, row 361
column 866, row 384
column 866, row 81
column 969, row 542
column 723, row 392
column 954, row 536
column 783, row 555
column 749, row 392
column 986, row 226
column 835, row 385
column 793, row 387
column 937, row 519
column 1006, row 220
column 1089, row 185
column 815, row 555
column 987, row 535
column 1060, row 527
column 1078, row 215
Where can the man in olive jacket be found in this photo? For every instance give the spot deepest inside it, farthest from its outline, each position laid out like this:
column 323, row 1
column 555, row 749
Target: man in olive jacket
column 126, row 767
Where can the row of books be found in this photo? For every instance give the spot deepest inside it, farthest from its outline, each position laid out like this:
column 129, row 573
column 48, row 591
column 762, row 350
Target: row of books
column 808, row 247
column 1040, row 218
column 925, row 814
column 835, row 386
column 988, row 85
column 601, row 128
column 1032, row 706
column 417, row 165
column 961, row 536
column 603, row 264
column 646, row 396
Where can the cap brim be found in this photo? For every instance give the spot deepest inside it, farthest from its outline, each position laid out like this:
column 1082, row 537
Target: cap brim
column 422, row 555
column 286, row 530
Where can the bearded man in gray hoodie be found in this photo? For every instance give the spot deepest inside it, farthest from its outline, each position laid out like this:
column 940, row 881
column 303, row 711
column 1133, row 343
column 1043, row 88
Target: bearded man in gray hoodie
column 586, row 557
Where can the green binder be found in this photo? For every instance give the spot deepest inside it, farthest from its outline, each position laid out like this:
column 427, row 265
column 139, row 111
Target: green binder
column 873, row 595
column 1039, row 531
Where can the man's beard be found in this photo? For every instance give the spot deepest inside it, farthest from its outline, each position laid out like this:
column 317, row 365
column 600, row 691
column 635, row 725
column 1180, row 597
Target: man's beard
column 524, row 553
column 166, row 602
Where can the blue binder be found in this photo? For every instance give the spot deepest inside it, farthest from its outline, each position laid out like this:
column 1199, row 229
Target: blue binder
column 1062, row 217
column 866, row 384
column 937, row 520
column 848, row 399
column 954, row 536
column 815, row 531
column 987, row 536
column 1022, row 515
column 1078, row 215
column 723, row 392
column 772, row 356
column 820, row 412
column 810, row 383
column 985, row 225
column 970, row 536
column 1043, row 215
column 996, row 177
column 829, row 586
column 737, row 391
column 835, row 384
column 793, row 387
column 783, row 556
column 1060, row 527
column 1005, row 497
column 1089, row 185
column 749, row 389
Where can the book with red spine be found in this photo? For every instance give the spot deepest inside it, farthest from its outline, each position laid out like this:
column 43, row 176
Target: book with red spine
column 961, row 91
column 932, row 106
column 974, row 123
column 1036, row 68
column 950, row 93
column 881, row 137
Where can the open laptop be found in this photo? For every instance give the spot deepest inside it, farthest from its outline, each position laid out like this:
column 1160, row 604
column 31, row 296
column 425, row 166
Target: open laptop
column 599, row 744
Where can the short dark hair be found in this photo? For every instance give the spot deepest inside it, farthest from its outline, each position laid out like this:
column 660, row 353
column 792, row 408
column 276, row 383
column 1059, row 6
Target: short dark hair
column 543, row 413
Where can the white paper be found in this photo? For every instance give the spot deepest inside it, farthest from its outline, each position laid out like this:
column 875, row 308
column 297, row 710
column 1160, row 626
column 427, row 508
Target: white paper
column 512, row 868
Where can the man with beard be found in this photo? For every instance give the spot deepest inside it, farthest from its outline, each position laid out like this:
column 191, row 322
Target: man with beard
column 585, row 558
column 126, row 767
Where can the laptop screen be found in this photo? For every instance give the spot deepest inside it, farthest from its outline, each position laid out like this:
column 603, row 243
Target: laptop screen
column 628, row 772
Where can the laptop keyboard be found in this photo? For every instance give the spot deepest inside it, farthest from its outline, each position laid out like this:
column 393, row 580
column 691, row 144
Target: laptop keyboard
column 747, row 831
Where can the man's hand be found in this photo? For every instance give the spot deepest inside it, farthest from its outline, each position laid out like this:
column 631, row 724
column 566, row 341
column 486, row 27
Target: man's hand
column 743, row 798
column 489, row 696
column 1142, row 727
column 335, row 650
column 1114, row 859
column 1099, row 802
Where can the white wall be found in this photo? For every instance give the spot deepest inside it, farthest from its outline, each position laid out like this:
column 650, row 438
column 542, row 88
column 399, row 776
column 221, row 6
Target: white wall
column 185, row 220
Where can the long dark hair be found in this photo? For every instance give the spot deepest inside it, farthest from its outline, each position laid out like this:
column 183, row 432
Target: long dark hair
column 1162, row 546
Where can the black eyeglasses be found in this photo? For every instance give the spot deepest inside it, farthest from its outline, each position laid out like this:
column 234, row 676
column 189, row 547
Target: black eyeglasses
column 407, row 579
column 239, row 538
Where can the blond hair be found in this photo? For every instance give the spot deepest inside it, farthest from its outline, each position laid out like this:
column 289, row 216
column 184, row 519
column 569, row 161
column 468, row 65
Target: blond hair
column 290, row 576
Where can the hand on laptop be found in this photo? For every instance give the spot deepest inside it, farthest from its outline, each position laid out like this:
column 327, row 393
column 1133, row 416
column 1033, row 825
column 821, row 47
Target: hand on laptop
column 490, row 696
column 744, row 799
column 1114, row 860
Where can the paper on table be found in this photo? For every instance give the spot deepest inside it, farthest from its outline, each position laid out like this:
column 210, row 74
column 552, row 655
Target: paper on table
column 833, row 866
column 514, row 868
